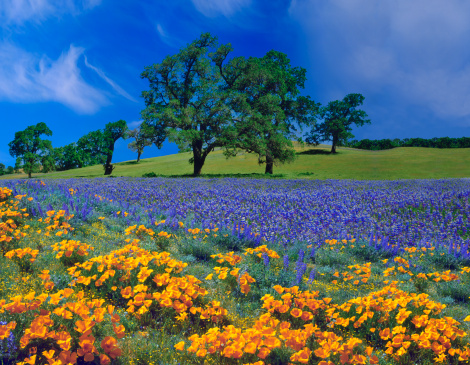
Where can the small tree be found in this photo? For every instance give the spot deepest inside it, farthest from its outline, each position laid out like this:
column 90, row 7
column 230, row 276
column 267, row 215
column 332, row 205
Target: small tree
column 30, row 148
column 141, row 140
column 112, row 132
column 92, row 148
column 68, row 157
column 337, row 119
column 2, row 169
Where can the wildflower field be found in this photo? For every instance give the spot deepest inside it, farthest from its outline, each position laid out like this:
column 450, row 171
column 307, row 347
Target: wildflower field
column 234, row 271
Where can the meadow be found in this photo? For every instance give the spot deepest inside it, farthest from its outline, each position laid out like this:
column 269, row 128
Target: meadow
column 234, row 271
column 311, row 163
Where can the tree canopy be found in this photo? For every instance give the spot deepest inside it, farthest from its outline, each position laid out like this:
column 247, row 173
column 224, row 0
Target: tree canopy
column 142, row 139
column 268, row 113
column 240, row 105
column 30, row 149
column 186, row 103
column 112, row 132
column 92, row 148
column 338, row 116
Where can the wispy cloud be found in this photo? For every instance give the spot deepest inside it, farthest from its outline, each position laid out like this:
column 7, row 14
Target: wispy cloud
column 213, row 8
column 414, row 50
column 115, row 86
column 26, row 77
column 19, row 11
column 167, row 39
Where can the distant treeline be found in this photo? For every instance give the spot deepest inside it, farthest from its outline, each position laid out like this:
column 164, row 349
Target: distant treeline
column 386, row 144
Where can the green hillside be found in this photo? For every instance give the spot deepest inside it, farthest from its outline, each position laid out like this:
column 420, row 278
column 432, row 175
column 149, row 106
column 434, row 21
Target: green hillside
column 312, row 163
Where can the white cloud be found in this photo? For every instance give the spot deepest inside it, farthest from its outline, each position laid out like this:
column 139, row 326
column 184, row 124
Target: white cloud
column 19, row 11
column 26, row 77
column 417, row 50
column 213, row 8
column 115, row 86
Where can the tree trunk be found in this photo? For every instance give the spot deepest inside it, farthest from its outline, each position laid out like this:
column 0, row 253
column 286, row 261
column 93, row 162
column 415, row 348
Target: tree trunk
column 108, row 168
column 199, row 158
column 333, row 146
column 138, row 156
column 29, row 174
column 269, row 165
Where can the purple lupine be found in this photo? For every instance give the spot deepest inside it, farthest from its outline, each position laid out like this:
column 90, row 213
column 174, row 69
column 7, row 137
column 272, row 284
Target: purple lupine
column 8, row 346
column 301, row 255
column 301, row 268
column 265, row 259
column 311, row 277
column 312, row 252
column 289, row 209
column 286, row 262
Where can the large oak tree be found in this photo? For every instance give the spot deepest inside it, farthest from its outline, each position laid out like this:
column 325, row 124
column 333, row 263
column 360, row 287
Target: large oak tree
column 186, row 103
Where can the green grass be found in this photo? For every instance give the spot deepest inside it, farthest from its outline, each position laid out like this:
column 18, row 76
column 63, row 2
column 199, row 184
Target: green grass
column 311, row 163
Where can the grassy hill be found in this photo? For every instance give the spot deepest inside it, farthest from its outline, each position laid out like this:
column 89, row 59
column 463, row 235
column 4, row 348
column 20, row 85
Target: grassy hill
column 312, row 163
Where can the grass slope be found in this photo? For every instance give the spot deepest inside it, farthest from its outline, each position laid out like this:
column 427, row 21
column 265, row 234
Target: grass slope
column 312, row 163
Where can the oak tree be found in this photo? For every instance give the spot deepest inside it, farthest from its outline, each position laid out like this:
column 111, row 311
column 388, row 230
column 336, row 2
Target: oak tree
column 29, row 148
column 338, row 116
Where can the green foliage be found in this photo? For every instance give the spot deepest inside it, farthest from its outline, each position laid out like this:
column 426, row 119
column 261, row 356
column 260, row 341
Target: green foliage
column 230, row 106
column 96, row 147
column 201, row 250
column 30, row 149
column 266, row 109
column 142, row 139
column 442, row 259
column 195, row 126
column 456, row 290
column 150, row 174
column 338, row 116
column 69, row 157
column 93, row 148
column 232, row 243
column 112, row 132
column 385, row 144
column 362, row 250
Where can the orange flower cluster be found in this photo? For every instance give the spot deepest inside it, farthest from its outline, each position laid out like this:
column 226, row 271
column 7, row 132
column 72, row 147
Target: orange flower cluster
column 58, row 221
column 23, row 257
column 101, row 197
column 299, row 304
column 60, row 326
column 260, row 250
column 270, row 332
column 9, row 230
column 156, row 285
column 68, row 247
column 230, row 257
column 389, row 313
column 4, row 193
column 444, row 276
column 22, row 252
column 195, row 231
column 362, row 271
column 139, row 231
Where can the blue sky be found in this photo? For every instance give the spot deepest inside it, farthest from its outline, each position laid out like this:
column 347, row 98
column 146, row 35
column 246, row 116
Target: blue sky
column 76, row 64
